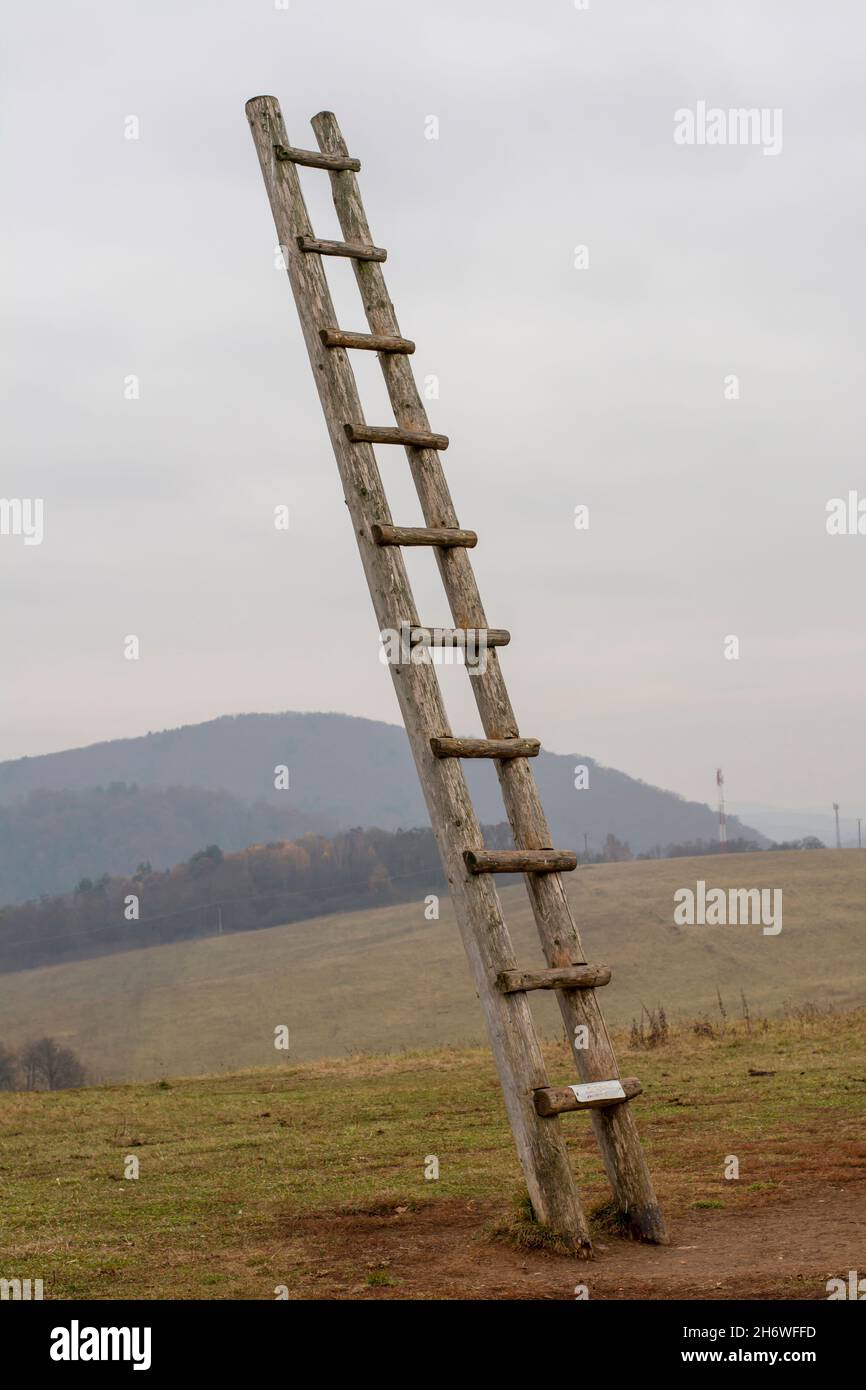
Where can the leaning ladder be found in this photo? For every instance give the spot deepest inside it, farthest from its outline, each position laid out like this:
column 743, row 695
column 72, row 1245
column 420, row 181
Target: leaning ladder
column 533, row 1106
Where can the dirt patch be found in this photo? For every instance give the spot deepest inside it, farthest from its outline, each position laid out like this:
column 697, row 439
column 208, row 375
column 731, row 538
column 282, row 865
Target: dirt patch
column 787, row 1248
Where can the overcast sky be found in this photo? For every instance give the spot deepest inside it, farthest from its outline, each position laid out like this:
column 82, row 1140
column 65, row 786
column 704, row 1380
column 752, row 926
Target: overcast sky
column 559, row 386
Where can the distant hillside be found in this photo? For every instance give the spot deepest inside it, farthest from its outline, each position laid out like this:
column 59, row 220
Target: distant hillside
column 343, row 772
column 51, row 839
column 388, row 979
column 348, row 771
column 215, row 893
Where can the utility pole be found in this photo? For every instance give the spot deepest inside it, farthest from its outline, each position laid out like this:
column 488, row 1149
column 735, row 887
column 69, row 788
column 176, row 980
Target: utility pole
column 859, row 837
column 586, row 847
column 723, row 824
column 838, row 836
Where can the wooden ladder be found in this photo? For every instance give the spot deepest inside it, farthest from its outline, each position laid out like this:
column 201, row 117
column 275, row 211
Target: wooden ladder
column 533, row 1106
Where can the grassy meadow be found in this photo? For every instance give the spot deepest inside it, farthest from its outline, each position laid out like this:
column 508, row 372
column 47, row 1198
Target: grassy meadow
column 312, row 1176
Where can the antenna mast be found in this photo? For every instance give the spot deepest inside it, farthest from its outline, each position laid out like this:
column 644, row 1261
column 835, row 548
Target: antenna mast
column 723, row 826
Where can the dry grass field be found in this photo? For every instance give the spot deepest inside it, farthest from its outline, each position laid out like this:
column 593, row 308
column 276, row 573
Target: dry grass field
column 387, row 980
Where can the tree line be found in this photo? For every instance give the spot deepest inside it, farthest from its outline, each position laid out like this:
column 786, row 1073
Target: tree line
column 264, row 885
column 214, row 892
column 739, row 845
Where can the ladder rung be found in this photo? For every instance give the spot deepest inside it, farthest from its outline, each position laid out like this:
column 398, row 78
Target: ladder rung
column 370, row 342
column 556, row 1100
column 485, row 747
column 566, row 977
column 519, row 861
column 386, row 434
column 342, row 248
column 315, row 160
column 422, row 535
column 473, row 637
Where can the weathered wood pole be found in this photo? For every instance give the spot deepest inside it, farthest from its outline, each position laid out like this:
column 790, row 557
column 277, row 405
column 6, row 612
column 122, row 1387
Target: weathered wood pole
column 514, row 1042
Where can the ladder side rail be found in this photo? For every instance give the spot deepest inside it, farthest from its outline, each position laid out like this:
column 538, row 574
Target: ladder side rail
column 517, row 1052
column 615, row 1128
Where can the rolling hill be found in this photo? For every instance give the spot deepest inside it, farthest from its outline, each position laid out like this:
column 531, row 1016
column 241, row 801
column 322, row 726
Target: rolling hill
column 387, row 979
column 343, row 772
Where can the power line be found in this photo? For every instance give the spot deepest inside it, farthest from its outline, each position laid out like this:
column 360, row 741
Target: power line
column 218, row 903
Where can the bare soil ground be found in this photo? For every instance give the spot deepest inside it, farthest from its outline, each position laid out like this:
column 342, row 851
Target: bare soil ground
column 787, row 1249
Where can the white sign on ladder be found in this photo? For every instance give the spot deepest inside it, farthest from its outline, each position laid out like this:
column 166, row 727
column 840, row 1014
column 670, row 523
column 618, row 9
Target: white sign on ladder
column 599, row 1090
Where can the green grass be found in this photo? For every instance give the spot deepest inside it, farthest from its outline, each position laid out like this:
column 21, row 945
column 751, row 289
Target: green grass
column 243, row 1176
column 521, row 1230
column 387, row 979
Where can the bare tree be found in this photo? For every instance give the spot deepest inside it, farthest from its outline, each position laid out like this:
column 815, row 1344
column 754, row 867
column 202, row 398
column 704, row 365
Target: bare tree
column 48, row 1066
column 29, row 1064
column 8, row 1069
